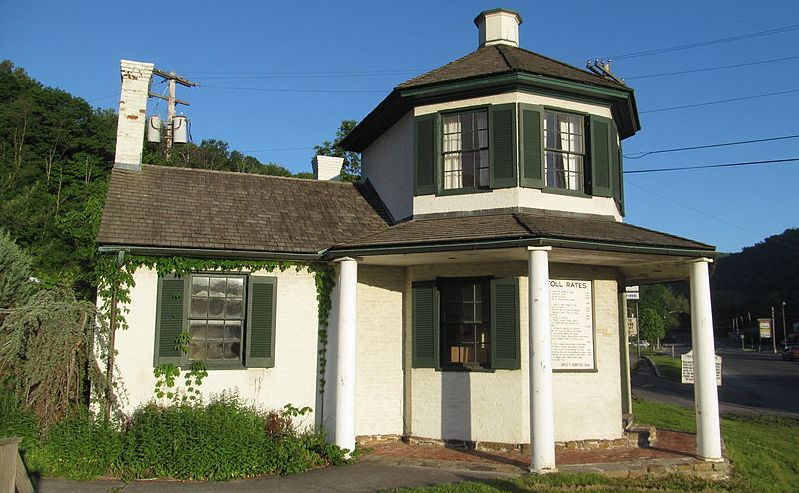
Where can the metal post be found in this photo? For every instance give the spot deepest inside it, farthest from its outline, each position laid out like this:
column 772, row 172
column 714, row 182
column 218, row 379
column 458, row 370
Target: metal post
column 638, row 332
column 784, row 332
column 773, row 332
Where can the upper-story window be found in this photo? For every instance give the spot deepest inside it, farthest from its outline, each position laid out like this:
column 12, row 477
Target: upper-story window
column 465, row 150
column 564, row 147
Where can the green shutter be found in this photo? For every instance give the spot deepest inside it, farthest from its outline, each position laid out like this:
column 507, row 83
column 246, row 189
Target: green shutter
column 601, row 155
column 425, row 325
column 531, row 140
column 260, row 340
column 426, row 155
column 169, row 320
column 505, row 346
column 617, row 168
column 502, row 145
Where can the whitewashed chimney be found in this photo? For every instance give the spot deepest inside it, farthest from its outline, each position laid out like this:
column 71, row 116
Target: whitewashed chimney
column 498, row 26
column 136, row 78
column 327, row 168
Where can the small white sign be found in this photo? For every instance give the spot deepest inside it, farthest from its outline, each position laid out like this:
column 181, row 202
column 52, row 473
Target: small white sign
column 688, row 368
column 632, row 296
column 632, row 326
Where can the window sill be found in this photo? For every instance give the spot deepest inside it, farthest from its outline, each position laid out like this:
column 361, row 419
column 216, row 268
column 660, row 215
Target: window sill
column 216, row 366
column 461, row 191
column 565, row 191
column 465, row 369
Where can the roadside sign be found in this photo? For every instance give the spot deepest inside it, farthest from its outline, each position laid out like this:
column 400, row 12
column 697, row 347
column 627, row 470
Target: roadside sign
column 632, row 293
column 765, row 327
column 632, row 326
column 688, row 368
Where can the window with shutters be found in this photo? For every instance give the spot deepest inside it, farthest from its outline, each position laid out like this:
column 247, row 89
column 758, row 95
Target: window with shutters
column 564, row 150
column 229, row 317
column 465, row 150
column 465, row 322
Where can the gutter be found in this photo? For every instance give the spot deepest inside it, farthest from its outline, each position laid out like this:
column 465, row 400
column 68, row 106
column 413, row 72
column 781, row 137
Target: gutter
column 511, row 243
column 208, row 252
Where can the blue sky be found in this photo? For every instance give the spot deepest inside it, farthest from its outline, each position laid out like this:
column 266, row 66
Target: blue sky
column 356, row 52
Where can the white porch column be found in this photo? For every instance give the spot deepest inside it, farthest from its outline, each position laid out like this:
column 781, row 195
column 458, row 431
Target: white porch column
column 345, row 356
column 706, row 398
column 542, row 421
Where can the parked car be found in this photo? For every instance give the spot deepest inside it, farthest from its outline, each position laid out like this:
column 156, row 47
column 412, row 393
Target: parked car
column 790, row 353
column 641, row 344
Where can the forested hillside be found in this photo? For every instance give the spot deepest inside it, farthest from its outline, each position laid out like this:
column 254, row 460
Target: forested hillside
column 56, row 153
column 757, row 278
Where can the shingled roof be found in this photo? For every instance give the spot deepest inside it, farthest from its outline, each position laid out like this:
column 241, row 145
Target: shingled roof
column 522, row 226
column 501, row 59
column 164, row 206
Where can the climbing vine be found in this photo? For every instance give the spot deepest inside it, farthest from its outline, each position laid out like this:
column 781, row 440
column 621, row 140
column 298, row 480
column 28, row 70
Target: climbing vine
column 115, row 274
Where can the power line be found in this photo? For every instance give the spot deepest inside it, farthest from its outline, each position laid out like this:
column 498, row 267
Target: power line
column 279, row 149
column 300, row 76
column 268, row 89
column 709, row 69
column 708, row 166
column 740, row 142
column 698, row 211
column 739, row 37
column 671, row 108
column 309, row 73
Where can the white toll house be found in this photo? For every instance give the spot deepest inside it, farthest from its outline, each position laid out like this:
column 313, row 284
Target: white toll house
column 479, row 264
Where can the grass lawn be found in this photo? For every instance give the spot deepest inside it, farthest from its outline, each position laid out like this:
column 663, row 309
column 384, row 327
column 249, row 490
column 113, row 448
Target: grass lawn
column 764, row 451
column 669, row 367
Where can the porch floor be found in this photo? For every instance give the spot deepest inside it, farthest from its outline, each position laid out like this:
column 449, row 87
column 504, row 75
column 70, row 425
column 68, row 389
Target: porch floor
column 671, row 452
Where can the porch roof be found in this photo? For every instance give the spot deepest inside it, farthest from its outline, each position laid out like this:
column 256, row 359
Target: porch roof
column 524, row 228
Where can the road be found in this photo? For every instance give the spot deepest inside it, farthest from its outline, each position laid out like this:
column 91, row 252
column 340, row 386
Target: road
column 752, row 382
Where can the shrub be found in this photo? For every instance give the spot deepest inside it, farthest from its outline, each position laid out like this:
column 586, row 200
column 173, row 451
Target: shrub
column 222, row 440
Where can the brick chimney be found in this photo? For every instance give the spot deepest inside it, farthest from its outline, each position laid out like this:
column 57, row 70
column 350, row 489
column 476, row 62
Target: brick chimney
column 327, row 167
column 132, row 113
column 498, row 26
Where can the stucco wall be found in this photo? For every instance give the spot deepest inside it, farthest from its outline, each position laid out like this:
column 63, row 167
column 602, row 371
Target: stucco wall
column 494, row 406
column 388, row 164
column 292, row 380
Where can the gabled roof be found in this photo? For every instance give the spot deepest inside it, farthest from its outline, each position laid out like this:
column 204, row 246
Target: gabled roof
column 598, row 230
column 500, row 59
column 183, row 208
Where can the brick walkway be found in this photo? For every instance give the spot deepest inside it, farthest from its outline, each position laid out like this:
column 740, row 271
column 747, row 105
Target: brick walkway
column 672, row 452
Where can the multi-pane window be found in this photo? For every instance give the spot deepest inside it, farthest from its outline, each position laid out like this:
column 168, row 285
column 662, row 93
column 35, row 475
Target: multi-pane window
column 564, row 143
column 216, row 318
column 466, row 322
column 465, row 149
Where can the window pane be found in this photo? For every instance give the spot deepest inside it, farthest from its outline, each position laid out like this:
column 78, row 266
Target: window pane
column 199, row 286
column 216, row 307
column 218, row 286
column 197, row 329
column 197, row 350
column 199, row 308
column 235, row 286
column 232, row 350
column 216, row 330
column 234, row 308
column 232, row 331
column 213, row 350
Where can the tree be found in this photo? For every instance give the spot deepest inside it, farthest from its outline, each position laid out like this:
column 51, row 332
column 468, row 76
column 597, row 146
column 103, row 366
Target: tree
column 652, row 325
column 351, row 169
column 668, row 304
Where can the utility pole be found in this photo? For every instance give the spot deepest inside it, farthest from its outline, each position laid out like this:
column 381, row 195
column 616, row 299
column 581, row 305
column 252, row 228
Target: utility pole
column 784, row 332
column 773, row 332
column 171, row 100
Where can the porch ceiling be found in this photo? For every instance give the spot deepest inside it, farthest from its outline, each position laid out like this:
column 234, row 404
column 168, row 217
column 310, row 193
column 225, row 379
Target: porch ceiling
column 634, row 268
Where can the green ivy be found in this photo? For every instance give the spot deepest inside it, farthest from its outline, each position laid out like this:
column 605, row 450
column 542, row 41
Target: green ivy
column 115, row 274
